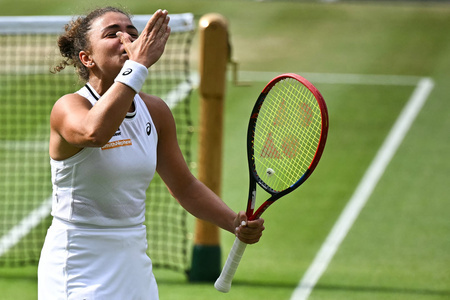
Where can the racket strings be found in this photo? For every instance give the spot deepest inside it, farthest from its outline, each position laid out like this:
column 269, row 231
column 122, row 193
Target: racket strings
column 287, row 134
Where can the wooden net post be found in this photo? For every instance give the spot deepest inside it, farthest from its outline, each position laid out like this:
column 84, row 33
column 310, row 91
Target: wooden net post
column 214, row 55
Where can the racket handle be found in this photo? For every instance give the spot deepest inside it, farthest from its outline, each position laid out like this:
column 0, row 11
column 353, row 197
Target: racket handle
column 223, row 283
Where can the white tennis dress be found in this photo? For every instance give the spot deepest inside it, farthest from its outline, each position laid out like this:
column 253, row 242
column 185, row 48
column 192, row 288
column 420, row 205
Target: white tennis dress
column 96, row 245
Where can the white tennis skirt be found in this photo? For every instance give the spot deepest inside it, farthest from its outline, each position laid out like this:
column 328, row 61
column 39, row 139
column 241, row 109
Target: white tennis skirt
column 95, row 264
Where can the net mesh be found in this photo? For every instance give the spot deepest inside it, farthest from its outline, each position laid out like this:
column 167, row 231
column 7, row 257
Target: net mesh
column 27, row 93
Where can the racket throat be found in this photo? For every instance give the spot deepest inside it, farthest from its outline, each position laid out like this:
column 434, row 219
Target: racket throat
column 251, row 203
column 261, row 209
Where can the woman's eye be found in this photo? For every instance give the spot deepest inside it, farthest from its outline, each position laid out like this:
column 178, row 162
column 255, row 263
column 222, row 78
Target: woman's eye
column 114, row 35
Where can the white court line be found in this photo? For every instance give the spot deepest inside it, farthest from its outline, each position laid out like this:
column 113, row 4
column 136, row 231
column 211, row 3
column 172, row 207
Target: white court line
column 181, row 91
column 33, row 219
column 9, row 145
column 336, row 78
column 364, row 189
column 25, row 226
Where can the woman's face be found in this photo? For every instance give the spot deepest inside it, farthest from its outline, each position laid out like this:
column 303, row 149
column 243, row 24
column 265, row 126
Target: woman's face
column 106, row 50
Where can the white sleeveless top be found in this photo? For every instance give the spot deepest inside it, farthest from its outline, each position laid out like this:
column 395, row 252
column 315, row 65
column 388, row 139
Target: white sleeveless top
column 107, row 186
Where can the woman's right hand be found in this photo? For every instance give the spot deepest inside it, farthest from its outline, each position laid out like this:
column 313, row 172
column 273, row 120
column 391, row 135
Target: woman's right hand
column 150, row 45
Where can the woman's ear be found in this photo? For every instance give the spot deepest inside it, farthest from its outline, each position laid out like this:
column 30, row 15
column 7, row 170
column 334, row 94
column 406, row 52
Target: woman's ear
column 86, row 59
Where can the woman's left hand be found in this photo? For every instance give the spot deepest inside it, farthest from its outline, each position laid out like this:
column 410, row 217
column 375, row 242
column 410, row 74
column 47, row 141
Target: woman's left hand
column 150, row 45
column 248, row 232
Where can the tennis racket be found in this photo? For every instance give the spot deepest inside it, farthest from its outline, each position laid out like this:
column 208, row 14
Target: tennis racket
column 286, row 136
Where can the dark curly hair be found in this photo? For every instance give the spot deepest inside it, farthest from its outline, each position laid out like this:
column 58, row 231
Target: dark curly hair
column 75, row 39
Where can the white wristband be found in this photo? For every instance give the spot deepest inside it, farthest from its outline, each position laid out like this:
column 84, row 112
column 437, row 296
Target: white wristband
column 133, row 74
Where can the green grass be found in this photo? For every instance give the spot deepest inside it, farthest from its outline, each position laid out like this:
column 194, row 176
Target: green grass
column 398, row 247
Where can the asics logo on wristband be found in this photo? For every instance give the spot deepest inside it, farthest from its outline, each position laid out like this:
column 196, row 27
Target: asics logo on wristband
column 133, row 74
column 127, row 72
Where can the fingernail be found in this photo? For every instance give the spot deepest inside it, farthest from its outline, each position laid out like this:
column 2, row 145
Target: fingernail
column 243, row 223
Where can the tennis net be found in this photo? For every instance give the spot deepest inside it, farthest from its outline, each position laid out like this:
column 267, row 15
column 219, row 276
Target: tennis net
column 27, row 93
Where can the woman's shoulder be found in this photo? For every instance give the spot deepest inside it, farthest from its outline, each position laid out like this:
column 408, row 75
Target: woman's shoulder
column 152, row 100
column 159, row 110
column 70, row 100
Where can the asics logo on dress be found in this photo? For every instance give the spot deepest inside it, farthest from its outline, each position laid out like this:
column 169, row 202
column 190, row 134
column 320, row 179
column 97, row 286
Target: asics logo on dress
column 149, row 128
column 118, row 132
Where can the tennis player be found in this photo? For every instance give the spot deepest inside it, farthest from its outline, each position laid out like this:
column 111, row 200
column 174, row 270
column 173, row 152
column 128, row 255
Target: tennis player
column 107, row 141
